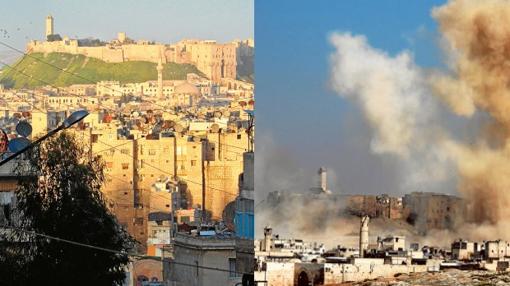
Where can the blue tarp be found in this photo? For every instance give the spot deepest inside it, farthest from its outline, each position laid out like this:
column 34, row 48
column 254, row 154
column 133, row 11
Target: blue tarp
column 244, row 223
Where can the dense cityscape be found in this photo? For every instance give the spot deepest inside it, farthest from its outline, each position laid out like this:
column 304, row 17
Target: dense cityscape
column 127, row 143
column 177, row 152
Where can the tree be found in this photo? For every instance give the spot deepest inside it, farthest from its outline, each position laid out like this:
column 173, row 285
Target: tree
column 62, row 198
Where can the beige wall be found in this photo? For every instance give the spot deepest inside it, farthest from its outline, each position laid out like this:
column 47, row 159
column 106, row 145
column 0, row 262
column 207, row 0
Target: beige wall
column 210, row 252
column 133, row 166
column 216, row 61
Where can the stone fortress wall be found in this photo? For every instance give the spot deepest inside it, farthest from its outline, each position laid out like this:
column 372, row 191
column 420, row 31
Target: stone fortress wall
column 215, row 60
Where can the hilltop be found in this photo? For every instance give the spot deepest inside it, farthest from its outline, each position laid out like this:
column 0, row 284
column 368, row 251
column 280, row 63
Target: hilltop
column 91, row 69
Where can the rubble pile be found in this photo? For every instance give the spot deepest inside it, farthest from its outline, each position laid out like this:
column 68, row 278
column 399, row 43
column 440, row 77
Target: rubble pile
column 451, row 277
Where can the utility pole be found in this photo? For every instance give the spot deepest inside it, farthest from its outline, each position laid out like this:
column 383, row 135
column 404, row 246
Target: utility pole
column 205, row 145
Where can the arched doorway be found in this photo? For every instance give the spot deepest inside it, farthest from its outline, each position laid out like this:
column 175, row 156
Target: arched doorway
column 303, row 279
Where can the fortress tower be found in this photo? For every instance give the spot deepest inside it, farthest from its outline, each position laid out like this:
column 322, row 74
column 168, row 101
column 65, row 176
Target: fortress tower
column 159, row 68
column 363, row 235
column 49, row 26
column 323, row 173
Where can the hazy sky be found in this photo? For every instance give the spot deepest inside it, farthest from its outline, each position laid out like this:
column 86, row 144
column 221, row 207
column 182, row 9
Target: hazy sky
column 160, row 20
column 296, row 110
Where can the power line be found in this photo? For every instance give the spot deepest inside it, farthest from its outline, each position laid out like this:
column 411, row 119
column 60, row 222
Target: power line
column 116, row 251
column 170, row 174
column 76, row 75
column 98, row 103
column 70, row 241
column 63, row 70
column 112, row 147
column 186, row 180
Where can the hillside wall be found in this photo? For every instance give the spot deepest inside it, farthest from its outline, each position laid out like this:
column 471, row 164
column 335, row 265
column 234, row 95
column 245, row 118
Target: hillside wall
column 216, row 61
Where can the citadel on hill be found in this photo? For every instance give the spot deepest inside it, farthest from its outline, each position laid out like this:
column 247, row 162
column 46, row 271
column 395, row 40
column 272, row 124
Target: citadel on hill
column 216, row 61
column 174, row 127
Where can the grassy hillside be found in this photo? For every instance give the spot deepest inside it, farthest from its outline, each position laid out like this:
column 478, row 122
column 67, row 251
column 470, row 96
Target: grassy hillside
column 93, row 70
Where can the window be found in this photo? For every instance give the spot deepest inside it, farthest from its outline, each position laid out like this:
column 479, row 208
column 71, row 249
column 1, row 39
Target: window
column 238, row 136
column 152, row 152
column 193, row 163
column 125, row 166
column 232, row 267
column 124, row 151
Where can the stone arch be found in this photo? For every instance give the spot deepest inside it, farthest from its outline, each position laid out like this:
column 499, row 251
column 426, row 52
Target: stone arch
column 303, row 279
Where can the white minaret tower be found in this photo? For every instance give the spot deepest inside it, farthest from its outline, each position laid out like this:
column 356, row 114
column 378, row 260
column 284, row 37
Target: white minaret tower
column 363, row 235
column 323, row 174
column 159, row 68
column 49, row 26
column 268, row 233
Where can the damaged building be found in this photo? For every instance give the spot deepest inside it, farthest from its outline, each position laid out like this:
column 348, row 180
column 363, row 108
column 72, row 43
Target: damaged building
column 423, row 210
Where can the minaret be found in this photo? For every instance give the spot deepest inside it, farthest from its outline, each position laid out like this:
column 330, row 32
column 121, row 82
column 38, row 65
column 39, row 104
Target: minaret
column 363, row 235
column 159, row 68
column 268, row 231
column 49, row 26
column 323, row 173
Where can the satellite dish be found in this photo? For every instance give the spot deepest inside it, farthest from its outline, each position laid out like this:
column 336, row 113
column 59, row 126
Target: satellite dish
column 4, row 140
column 178, row 128
column 215, row 128
column 156, row 129
column 24, row 128
column 18, row 144
column 75, row 117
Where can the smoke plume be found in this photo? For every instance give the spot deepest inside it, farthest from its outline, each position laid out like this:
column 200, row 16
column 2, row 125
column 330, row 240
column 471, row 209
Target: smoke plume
column 393, row 93
column 413, row 113
column 478, row 33
column 400, row 101
column 390, row 91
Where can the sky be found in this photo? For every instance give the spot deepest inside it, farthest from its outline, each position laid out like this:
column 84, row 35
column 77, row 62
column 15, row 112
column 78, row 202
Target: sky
column 159, row 20
column 301, row 123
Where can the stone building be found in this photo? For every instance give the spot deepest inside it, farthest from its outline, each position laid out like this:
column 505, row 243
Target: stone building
column 215, row 60
column 134, row 165
column 375, row 206
column 214, row 251
column 464, row 250
column 49, row 26
column 244, row 206
column 496, row 250
column 428, row 211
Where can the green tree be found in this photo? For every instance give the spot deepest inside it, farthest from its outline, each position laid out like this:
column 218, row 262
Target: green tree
column 62, row 198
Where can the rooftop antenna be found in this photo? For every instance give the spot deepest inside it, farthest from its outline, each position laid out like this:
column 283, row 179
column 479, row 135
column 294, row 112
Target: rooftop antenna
column 251, row 118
